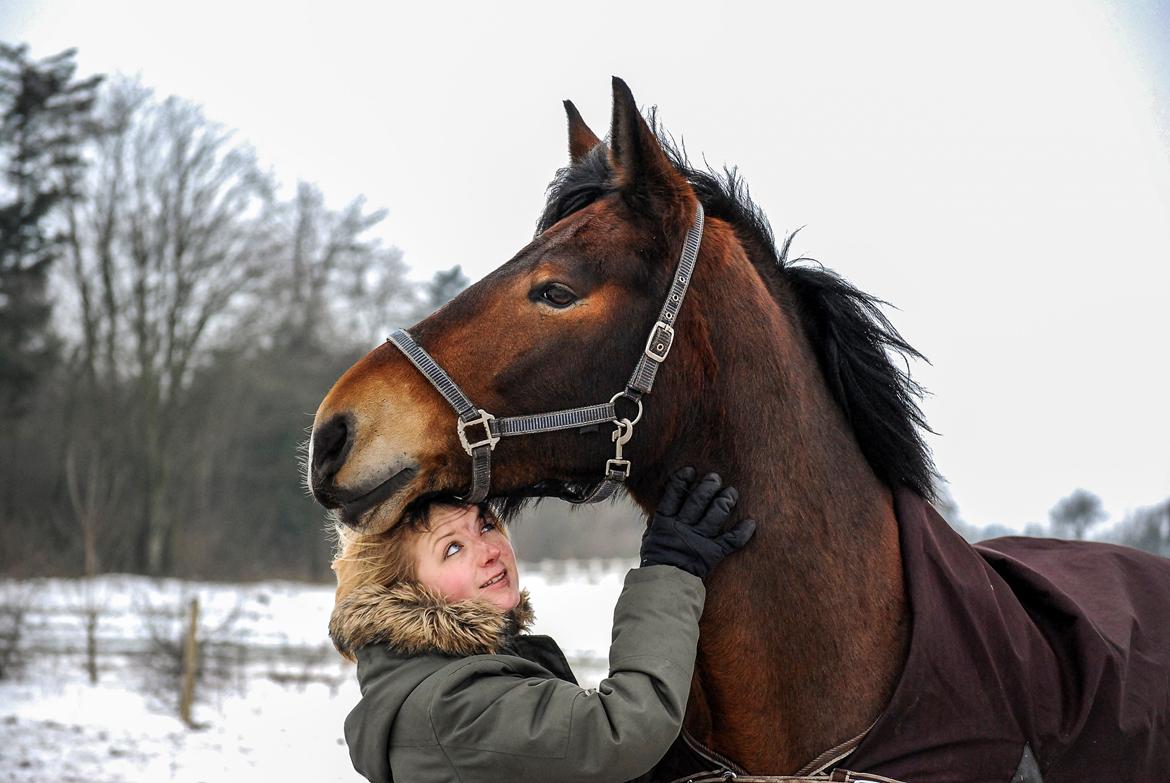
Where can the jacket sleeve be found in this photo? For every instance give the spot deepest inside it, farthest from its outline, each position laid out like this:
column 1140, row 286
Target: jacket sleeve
column 493, row 721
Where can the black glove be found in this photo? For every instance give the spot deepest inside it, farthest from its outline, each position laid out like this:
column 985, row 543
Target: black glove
column 685, row 530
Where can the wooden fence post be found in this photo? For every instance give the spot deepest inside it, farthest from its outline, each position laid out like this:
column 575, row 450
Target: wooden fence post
column 190, row 664
column 91, row 651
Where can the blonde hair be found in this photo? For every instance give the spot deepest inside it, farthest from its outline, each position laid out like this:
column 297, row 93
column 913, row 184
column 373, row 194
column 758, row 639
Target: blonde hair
column 384, row 558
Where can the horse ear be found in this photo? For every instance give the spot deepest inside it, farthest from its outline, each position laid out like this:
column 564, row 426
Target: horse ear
column 642, row 171
column 581, row 138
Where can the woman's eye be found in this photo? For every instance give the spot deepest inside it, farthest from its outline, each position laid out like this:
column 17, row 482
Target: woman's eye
column 558, row 295
column 451, row 549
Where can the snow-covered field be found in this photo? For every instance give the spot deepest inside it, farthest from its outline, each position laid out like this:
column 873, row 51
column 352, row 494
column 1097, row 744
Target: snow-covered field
column 275, row 693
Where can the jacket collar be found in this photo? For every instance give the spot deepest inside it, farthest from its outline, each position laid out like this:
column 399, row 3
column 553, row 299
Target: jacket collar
column 414, row 619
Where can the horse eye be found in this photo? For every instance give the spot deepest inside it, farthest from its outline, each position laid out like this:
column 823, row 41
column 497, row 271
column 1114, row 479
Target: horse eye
column 558, row 295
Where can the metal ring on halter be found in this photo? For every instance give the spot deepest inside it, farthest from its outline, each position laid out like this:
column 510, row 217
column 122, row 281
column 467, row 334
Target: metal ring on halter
column 631, row 398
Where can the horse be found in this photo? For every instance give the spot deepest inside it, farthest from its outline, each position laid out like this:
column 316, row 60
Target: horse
column 858, row 626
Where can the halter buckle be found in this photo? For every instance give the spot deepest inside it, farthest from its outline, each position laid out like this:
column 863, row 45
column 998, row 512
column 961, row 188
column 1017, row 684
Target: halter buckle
column 659, row 342
column 483, row 418
column 619, row 466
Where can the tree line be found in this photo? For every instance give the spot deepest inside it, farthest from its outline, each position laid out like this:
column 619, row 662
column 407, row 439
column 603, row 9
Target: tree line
column 1077, row 516
column 168, row 324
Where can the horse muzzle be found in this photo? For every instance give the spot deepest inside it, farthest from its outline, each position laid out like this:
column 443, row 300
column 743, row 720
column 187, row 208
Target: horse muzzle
column 380, row 440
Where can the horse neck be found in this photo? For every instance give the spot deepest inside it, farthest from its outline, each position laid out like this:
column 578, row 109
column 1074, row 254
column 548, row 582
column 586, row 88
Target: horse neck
column 804, row 631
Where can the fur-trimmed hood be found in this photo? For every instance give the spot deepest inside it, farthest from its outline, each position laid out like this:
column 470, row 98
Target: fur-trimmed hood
column 415, row 619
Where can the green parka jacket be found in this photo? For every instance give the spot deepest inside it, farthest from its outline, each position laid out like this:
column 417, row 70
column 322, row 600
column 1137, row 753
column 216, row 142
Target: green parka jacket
column 458, row 692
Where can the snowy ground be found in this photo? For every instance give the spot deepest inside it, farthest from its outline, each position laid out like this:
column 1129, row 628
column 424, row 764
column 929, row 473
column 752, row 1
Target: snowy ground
column 273, row 710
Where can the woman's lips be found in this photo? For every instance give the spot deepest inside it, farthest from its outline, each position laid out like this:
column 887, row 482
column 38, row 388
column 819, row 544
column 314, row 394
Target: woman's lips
column 501, row 579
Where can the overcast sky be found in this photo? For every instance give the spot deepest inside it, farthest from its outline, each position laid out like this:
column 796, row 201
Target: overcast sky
column 999, row 171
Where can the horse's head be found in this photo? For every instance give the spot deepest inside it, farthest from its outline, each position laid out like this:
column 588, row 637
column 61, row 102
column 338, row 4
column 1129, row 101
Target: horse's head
column 559, row 325
column 778, row 369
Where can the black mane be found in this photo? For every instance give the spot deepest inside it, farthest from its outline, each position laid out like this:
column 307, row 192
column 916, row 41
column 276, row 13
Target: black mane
column 853, row 340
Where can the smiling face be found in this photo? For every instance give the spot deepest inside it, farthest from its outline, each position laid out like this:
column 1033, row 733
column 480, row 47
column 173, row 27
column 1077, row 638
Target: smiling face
column 466, row 555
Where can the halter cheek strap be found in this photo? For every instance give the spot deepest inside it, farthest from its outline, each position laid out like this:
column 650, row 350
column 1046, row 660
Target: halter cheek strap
column 480, row 431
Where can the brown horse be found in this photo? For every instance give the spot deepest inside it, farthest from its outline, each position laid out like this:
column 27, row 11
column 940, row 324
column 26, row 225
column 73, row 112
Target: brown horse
column 780, row 379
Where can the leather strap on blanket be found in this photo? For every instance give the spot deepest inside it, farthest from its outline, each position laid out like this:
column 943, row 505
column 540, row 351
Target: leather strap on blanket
column 819, row 770
column 836, row 776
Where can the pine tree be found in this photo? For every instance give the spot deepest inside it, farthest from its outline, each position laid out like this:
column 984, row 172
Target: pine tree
column 44, row 118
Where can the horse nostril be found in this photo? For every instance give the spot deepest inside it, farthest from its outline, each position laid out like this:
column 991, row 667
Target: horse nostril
column 331, row 442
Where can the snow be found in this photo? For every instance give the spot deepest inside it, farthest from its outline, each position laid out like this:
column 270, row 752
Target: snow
column 273, row 710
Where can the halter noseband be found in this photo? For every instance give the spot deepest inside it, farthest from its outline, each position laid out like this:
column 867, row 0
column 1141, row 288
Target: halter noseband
column 617, row 469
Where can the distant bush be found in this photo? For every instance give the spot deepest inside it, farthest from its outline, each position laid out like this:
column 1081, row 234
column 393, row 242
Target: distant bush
column 1148, row 529
column 218, row 663
column 15, row 601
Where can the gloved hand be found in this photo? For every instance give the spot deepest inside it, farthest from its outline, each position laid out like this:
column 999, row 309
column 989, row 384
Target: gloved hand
column 685, row 530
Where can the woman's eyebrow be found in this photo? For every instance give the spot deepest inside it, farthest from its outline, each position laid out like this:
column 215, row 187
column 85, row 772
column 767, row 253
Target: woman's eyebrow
column 446, row 535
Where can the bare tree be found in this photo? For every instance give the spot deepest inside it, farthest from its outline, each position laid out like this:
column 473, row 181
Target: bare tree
column 95, row 492
column 1148, row 529
column 164, row 252
column 1074, row 515
column 94, row 495
column 336, row 286
column 203, row 319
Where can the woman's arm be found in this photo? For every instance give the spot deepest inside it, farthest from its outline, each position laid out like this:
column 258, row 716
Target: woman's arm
column 493, row 721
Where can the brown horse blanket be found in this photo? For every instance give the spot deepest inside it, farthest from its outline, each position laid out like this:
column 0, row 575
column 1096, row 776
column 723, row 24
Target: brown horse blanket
column 1058, row 647
column 1031, row 661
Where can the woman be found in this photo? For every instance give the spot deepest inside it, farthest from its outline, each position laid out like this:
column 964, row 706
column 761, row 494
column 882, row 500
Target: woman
column 454, row 689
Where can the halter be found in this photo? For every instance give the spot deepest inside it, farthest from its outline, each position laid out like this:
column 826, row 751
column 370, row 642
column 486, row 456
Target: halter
column 488, row 429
